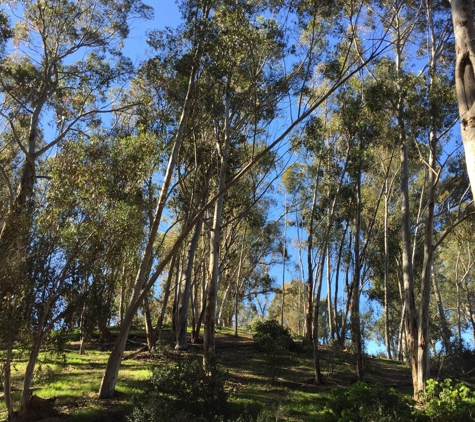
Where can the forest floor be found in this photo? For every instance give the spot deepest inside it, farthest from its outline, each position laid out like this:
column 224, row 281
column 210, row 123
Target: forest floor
column 254, row 380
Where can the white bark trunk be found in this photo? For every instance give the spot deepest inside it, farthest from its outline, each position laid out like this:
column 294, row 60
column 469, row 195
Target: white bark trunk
column 464, row 29
column 215, row 237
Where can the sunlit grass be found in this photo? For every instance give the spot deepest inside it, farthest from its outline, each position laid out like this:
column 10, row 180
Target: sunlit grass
column 74, row 381
column 253, row 384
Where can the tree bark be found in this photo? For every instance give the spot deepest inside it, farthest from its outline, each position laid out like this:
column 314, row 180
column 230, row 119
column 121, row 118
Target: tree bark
column 331, row 326
column 386, row 272
column 166, row 295
column 215, row 238
column 446, row 334
column 149, row 331
column 410, row 318
column 316, row 353
column 355, row 299
column 185, row 291
column 7, row 377
column 29, row 372
column 464, row 30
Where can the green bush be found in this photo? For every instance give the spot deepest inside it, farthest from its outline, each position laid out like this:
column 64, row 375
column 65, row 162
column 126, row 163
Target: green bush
column 448, row 402
column 364, row 403
column 184, row 391
column 458, row 364
column 270, row 336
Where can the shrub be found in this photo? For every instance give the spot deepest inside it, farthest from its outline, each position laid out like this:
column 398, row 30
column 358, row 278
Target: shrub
column 458, row 364
column 364, row 403
column 270, row 336
column 448, row 402
column 184, row 391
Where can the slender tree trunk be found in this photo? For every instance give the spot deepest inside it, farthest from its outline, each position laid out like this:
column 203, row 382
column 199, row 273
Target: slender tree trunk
column 122, row 295
column 344, row 317
column 355, row 299
column 236, row 298
column 402, row 340
column 410, row 318
column 7, row 377
column 331, row 327
column 284, row 253
column 464, row 29
column 308, row 313
column 423, row 341
column 166, row 295
column 223, row 303
column 185, row 291
column 82, row 322
column 215, row 238
column 149, row 331
column 29, row 372
column 338, row 331
column 386, row 272
column 316, row 353
column 446, row 334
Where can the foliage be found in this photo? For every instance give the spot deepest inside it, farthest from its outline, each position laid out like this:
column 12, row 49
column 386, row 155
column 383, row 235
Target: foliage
column 184, row 391
column 460, row 363
column 447, row 401
column 270, row 337
column 366, row 403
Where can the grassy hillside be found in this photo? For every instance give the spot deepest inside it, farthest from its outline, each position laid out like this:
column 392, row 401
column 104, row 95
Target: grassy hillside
column 255, row 381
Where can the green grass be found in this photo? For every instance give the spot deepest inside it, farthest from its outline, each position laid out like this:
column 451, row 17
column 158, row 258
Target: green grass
column 74, row 380
column 256, row 382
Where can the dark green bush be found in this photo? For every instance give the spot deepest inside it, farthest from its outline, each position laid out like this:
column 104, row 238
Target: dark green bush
column 458, row 364
column 365, row 403
column 185, row 391
column 270, row 336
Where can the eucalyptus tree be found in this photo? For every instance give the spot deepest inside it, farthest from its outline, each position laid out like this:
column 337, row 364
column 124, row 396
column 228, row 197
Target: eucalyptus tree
column 197, row 21
column 421, row 106
column 464, row 30
column 68, row 59
column 55, row 85
column 92, row 217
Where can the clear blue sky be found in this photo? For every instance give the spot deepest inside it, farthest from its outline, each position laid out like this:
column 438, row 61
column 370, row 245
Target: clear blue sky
column 166, row 14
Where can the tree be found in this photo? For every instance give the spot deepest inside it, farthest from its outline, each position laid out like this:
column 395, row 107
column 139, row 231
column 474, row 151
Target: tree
column 67, row 61
column 464, row 30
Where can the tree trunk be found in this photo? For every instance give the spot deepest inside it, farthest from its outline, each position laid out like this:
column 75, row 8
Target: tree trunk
column 149, row 331
column 464, row 30
column 29, row 372
column 410, row 318
column 7, row 377
column 166, row 295
column 308, row 313
column 185, row 291
column 215, row 238
column 284, row 253
column 355, row 299
column 221, row 322
column 236, row 298
column 316, row 353
column 338, row 332
column 446, row 334
column 432, row 180
column 386, row 272
column 331, row 327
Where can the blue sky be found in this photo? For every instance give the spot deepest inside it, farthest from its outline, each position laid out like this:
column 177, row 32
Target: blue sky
column 166, row 14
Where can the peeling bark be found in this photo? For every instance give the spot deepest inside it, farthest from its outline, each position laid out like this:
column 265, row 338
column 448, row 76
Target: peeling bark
column 464, row 30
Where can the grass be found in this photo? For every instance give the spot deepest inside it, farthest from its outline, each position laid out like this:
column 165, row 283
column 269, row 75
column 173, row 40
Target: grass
column 74, row 381
column 281, row 385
